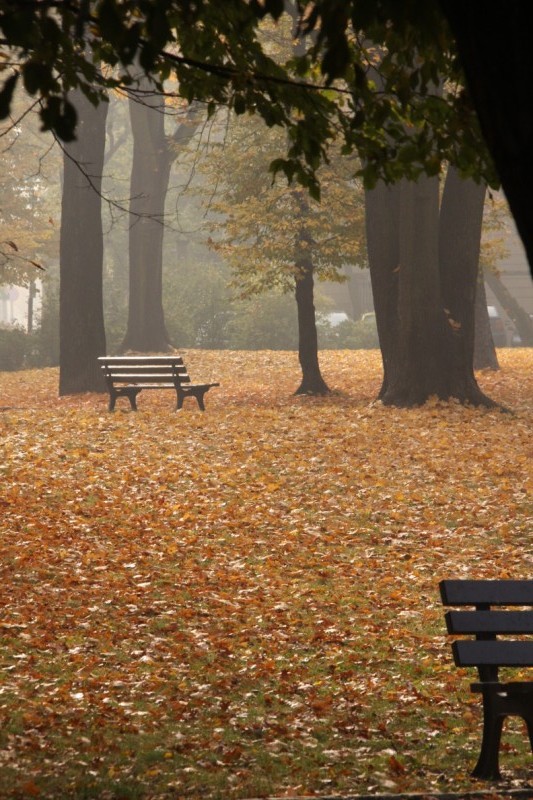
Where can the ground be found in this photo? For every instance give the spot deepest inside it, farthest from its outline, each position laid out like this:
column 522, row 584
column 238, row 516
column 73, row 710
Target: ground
column 244, row 602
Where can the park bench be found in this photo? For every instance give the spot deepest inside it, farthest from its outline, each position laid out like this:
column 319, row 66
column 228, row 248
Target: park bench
column 499, row 608
column 126, row 376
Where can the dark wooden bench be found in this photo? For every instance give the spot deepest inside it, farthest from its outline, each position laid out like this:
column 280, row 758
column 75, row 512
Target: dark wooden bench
column 496, row 612
column 126, row 376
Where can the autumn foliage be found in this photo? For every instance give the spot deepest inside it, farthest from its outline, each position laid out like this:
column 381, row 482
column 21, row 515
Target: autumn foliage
column 244, row 602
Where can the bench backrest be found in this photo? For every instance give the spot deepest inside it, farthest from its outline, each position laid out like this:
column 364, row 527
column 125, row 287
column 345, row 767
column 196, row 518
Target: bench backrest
column 486, row 623
column 149, row 369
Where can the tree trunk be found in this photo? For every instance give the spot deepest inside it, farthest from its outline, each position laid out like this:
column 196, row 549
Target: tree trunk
column 420, row 368
column 420, row 281
column 515, row 312
column 461, row 222
column 32, row 291
column 150, row 172
column 81, row 317
column 485, row 356
column 382, row 222
column 499, row 80
column 312, row 380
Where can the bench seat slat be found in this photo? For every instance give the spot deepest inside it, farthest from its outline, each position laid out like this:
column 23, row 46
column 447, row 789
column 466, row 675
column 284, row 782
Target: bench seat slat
column 116, row 368
column 504, row 622
column 161, row 385
column 114, row 360
column 124, row 369
column 480, row 592
column 493, row 653
column 147, row 377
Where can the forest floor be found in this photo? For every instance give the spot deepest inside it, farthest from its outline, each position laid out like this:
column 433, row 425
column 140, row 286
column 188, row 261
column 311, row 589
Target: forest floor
column 244, row 603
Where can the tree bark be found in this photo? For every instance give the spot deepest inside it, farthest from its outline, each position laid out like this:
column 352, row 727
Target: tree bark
column 461, row 222
column 499, row 78
column 32, row 291
column 420, row 366
column 150, row 172
column 485, row 356
column 153, row 155
column 312, row 380
column 424, row 289
column 382, row 222
column 81, row 316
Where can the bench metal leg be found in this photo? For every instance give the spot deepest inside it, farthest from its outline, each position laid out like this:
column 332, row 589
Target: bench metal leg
column 133, row 399
column 200, row 398
column 496, row 707
column 529, row 725
column 130, row 394
column 487, row 766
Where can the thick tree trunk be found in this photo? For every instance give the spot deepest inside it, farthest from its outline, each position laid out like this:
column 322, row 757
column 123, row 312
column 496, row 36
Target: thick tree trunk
column 461, row 221
column 312, row 380
column 420, row 281
column 150, row 172
column 485, row 356
column 421, row 366
column 81, row 317
column 495, row 50
column 383, row 246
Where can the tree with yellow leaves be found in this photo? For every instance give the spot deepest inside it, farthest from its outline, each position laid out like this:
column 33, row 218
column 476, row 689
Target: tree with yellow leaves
column 274, row 235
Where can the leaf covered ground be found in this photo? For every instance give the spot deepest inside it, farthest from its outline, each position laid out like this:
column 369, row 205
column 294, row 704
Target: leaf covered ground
column 244, row 602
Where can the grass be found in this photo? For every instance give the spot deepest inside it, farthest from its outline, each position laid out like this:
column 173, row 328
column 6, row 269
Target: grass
column 244, row 603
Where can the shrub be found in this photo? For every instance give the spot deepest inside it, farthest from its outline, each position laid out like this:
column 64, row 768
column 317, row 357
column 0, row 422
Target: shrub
column 13, row 344
column 348, row 335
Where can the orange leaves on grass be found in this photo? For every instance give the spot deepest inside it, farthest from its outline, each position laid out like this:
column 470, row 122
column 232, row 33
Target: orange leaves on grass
column 245, row 601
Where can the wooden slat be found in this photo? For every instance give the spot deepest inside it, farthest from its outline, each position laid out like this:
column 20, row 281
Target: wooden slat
column 493, row 653
column 140, row 359
column 119, row 387
column 472, row 593
column 130, row 370
column 504, row 622
column 119, row 369
column 136, row 377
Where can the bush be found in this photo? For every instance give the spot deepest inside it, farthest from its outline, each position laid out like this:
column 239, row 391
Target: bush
column 265, row 322
column 348, row 335
column 13, row 345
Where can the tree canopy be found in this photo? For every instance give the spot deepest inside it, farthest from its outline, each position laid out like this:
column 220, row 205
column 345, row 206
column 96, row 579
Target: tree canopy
column 218, row 55
column 326, row 93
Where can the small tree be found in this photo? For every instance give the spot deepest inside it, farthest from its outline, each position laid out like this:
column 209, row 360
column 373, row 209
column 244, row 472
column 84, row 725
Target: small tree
column 29, row 199
column 273, row 235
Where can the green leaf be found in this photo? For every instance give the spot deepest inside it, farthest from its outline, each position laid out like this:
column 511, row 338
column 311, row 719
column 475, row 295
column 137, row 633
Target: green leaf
column 110, row 21
column 239, row 104
column 60, row 116
column 6, row 95
column 33, row 75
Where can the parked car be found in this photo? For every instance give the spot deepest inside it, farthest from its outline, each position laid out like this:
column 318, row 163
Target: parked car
column 369, row 319
column 497, row 327
column 516, row 339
